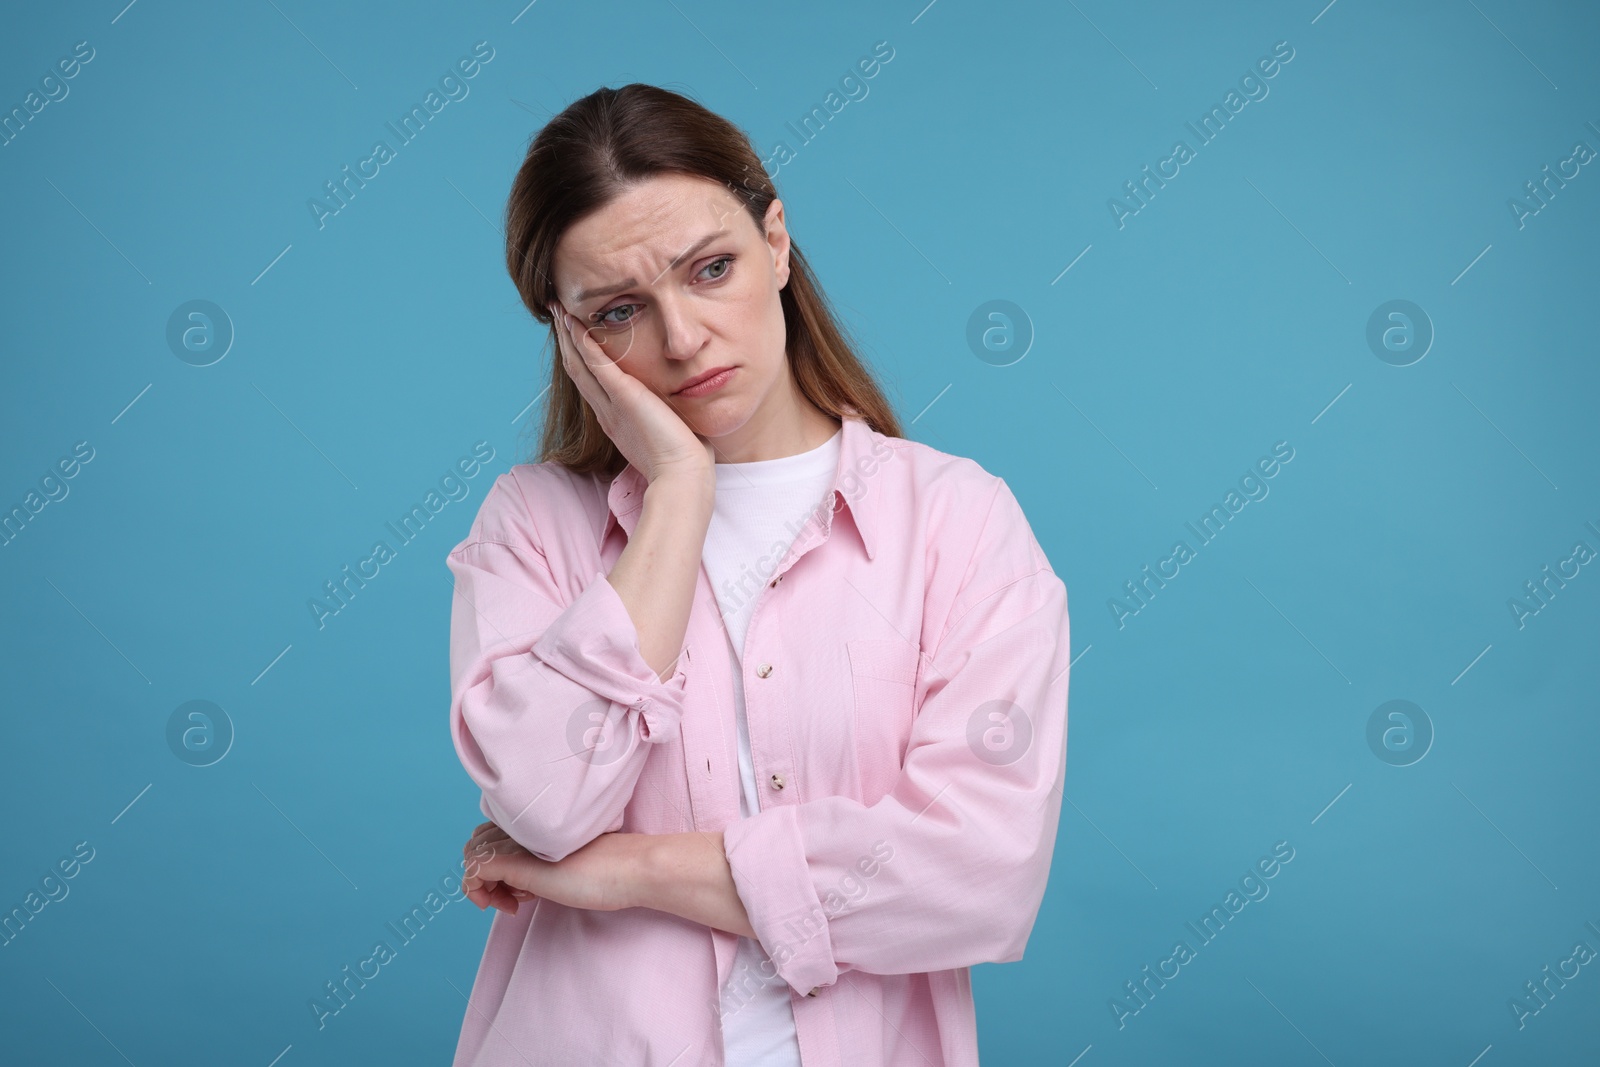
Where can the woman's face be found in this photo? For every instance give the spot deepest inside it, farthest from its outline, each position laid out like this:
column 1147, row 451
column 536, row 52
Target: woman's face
column 672, row 280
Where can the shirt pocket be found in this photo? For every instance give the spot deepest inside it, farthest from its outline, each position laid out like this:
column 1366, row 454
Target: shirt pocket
column 883, row 678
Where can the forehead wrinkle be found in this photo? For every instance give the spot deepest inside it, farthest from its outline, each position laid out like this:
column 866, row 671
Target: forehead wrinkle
column 651, row 215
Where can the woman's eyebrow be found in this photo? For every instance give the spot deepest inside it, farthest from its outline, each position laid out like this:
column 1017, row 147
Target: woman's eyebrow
column 629, row 283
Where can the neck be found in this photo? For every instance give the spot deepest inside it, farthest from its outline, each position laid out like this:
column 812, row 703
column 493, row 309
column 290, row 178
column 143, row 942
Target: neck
column 795, row 426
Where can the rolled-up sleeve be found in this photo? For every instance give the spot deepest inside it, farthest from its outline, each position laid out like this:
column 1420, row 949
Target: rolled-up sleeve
column 949, row 868
column 552, row 705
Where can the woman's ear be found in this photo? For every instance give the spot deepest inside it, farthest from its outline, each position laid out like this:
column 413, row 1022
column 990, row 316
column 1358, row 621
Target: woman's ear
column 778, row 241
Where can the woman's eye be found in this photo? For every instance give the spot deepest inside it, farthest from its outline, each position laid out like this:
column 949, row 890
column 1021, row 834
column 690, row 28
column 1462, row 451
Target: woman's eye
column 606, row 319
column 725, row 262
column 611, row 318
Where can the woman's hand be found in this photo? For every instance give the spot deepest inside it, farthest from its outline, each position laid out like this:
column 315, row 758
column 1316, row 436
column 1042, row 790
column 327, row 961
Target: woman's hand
column 600, row 876
column 646, row 430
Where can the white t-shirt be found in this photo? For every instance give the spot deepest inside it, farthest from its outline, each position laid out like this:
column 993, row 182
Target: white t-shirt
column 761, row 507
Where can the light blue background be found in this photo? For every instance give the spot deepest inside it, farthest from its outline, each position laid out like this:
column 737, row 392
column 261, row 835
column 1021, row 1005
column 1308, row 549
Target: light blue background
column 1229, row 314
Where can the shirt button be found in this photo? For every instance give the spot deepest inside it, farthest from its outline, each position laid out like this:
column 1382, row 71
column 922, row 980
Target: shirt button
column 764, row 670
column 812, row 993
column 777, row 781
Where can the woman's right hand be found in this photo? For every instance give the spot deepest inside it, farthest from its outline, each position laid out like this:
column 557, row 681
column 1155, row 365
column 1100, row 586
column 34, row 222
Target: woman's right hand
column 644, row 427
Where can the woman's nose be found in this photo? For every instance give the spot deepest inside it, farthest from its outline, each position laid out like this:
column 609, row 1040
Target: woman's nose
column 684, row 332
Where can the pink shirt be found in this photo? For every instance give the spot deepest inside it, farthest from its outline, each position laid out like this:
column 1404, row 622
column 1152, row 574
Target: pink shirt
column 905, row 676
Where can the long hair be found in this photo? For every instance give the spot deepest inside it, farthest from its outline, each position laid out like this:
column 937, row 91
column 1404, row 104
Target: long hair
column 590, row 154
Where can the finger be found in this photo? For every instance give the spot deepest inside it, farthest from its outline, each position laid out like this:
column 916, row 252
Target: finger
column 486, row 895
column 478, row 863
column 579, row 345
column 501, row 898
column 487, row 839
column 577, row 368
column 611, row 348
column 475, row 858
column 490, row 832
column 478, row 831
column 559, row 328
column 503, row 892
column 601, row 360
column 491, row 858
column 478, row 877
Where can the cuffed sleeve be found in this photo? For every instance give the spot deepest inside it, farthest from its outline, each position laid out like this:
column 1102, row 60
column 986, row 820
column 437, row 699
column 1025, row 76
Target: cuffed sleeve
column 595, row 645
column 949, row 868
column 552, row 704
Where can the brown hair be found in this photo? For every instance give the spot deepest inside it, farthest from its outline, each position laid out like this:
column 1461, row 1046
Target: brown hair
column 585, row 157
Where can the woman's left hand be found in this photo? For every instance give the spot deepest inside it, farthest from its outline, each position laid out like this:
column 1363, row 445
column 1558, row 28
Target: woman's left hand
column 598, row 877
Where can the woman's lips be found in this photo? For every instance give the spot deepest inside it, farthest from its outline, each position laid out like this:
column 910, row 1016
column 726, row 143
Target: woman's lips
column 710, row 385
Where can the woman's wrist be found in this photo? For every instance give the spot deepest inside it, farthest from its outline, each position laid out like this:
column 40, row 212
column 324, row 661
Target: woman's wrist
column 658, row 871
column 687, row 875
column 684, row 486
column 640, row 874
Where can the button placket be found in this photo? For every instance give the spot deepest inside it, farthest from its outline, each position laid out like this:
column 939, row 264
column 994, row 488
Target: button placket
column 796, row 550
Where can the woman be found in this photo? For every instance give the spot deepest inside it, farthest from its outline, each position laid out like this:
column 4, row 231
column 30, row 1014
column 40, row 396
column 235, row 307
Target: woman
column 767, row 703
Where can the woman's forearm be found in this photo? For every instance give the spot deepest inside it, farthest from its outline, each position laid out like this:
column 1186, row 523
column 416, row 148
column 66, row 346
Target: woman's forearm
column 687, row 875
column 683, row 874
column 658, row 570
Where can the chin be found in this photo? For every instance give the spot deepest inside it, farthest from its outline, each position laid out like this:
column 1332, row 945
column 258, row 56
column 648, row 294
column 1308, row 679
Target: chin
column 720, row 416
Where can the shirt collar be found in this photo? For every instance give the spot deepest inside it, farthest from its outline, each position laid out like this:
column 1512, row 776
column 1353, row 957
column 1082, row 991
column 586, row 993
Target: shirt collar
column 853, row 488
